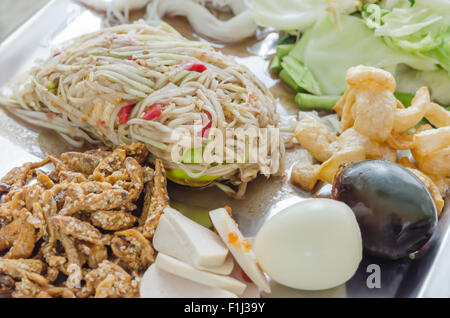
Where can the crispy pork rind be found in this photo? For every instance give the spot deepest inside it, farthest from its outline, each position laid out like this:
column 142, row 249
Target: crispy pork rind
column 304, row 172
column 373, row 113
column 74, row 232
column 438, row 116
column 434, row 190
column 316, row 138
column 366, row 77
column 368, row 103
column 352, row 147
column 407, row 118
column 432, row 151
column 305, row 175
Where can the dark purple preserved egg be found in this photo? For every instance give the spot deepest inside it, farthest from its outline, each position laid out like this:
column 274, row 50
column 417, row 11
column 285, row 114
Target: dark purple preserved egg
column 394, row 209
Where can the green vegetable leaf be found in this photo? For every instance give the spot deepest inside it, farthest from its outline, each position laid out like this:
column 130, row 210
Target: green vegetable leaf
column 328, row 53
column 422, row 30
column 301, row 75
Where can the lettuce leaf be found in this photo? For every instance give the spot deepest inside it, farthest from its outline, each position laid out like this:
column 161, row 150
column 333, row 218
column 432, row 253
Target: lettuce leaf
column 328, row 52
column 438, row 82
column 422, row 29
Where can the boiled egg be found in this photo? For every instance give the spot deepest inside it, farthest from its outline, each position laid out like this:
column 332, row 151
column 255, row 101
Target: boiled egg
column 313, row 244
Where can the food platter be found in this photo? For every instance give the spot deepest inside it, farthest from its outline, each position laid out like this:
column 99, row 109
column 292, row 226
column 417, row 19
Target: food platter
column 61, row 20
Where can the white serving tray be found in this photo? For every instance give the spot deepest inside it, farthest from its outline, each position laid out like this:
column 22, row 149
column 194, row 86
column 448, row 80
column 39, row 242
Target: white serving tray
column 61, row 20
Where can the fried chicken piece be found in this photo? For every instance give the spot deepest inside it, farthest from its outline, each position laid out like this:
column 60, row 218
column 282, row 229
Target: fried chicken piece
column 136, row 174
column 17, row 176
column 109, row 165
column 59, row 167
column 77, row 229
column 95, row 253
column 158, row 202
column 18, row 269
column 24, row 244
column 110, row 199
column 26, row 289
column 9, row 233
column 59, row 210
column 148, row 187
column 70, row 176
column 6, row 283
column 49, row 209
column 43, row 294
column 29, row 265
column 32, row 194
column 133, row 249
column 126, row 252
column 81, row 162
column 44, row 180
column 113, row 220
column 138, row 151
column 52, row 274
column 69, row 247
column 38, row 221
column 63, row 292
column 122, row 281
column 105, row 288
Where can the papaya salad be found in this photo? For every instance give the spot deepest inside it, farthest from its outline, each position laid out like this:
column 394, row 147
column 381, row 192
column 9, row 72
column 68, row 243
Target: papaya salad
column 135, row 82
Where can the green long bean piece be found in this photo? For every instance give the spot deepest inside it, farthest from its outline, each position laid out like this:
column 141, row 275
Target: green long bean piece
column 308, row 101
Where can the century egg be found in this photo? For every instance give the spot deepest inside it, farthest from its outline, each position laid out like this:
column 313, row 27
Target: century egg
column 394, row 209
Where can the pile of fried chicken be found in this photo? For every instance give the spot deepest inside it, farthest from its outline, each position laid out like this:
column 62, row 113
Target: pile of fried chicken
column 84, row 228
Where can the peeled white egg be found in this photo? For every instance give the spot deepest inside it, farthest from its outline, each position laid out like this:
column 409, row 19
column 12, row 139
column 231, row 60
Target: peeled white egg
column 311, row 245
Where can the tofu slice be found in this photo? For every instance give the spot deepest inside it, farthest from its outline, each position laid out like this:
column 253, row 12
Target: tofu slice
column 157, row 283
column 188, row 241
column 227, row 228
column 224, row 269
column 252, row 291
column 179, row 268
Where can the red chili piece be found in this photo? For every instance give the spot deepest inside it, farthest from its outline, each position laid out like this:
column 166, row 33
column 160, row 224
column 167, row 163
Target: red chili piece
column 196, row 67
column 154, row 111
column 124, row 113
column 205, row 130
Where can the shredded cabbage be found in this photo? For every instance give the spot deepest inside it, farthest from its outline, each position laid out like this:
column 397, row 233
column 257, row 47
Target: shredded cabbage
column 422, row 29
column 438, row 82
column 328, row 52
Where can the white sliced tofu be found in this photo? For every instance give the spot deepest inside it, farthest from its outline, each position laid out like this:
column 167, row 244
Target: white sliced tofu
column 157, row 283
column 252, row 291
column 224, row 269
column 227, row 227
column 188, row 241
column 179, row 268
